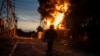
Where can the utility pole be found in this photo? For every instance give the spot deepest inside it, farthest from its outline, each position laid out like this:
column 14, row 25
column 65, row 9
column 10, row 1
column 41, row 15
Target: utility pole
column 7, row 12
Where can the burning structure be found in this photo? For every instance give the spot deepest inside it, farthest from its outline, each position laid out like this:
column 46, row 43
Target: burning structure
column 53, row 13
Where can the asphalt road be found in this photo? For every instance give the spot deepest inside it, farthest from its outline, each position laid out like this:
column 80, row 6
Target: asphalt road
column 35, row 47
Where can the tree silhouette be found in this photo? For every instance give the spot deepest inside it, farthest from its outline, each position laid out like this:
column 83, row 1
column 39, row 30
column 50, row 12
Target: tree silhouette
column 39, row 29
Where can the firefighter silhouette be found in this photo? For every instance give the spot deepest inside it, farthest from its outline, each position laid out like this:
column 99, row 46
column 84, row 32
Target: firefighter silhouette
column 50, row 36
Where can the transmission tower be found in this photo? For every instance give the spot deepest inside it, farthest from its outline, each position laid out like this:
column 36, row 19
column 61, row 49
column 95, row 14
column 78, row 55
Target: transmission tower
column 7, row 13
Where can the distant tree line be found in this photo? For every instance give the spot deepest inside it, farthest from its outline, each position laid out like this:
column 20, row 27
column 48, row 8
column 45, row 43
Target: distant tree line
column 26, row 34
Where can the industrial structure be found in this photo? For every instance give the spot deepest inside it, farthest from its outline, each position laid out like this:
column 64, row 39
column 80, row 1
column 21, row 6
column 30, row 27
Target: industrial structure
column 8, row 21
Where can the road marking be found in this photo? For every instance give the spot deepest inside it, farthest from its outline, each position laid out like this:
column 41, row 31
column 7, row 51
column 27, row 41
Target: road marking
column 13, row 48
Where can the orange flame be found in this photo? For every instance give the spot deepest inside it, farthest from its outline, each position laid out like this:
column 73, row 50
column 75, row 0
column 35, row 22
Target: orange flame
column 58, row 15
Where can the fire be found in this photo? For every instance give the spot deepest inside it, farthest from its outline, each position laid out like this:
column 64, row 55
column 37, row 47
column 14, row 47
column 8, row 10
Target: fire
column 58, row 20
column 60, row 8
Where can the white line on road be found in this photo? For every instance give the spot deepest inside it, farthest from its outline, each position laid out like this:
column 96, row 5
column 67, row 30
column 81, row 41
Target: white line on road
column 13, row 48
